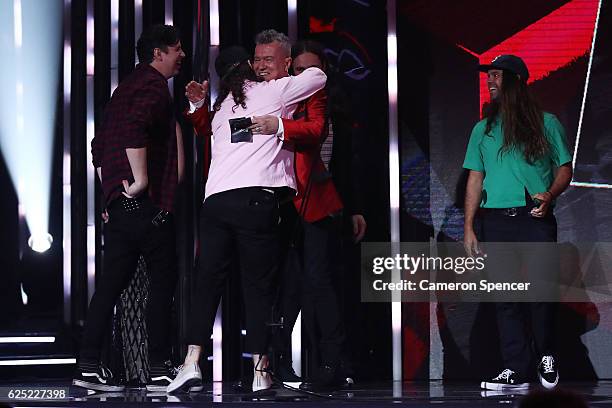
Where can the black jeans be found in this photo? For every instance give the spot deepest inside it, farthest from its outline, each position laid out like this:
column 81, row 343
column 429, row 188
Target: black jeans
column 243, row 224
column 512, row 318
column 127, row 235
column 310, row 286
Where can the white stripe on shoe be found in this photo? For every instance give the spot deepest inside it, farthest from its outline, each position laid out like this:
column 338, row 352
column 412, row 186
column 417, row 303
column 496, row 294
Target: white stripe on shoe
column 102, row 380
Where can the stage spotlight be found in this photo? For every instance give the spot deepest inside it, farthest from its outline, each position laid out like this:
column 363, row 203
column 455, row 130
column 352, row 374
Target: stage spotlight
column 28, row 105
column 40, row 242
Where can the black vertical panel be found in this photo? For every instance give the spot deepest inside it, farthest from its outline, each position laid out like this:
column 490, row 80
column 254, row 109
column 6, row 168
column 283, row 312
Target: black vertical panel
column 127, row 44
column 78, row 117
column 355, row 36
column 102, row 52
column 415, row 86
column 184, row 15
column 153, row 12
column 303, row 19
column 240, row 21
column 200, row 40
column 268, row 14
column 10, row 293
column 228, row 23
column 183, row 22
column 103, row 56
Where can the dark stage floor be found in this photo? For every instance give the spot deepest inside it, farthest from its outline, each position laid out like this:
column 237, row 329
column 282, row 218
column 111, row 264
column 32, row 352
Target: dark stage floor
column 415, row 394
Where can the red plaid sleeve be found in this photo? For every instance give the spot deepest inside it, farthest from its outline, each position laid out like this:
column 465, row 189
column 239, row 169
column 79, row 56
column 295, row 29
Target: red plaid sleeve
column 143, row 108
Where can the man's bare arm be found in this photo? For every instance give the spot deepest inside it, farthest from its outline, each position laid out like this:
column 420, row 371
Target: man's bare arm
column 473, row 195
column 560, row 183
column 562, row 180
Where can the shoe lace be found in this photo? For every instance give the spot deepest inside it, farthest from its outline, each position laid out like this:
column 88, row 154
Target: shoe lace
column 547, row 363
column 504, row 375
column 106, row 372
column 257, row 366
column 175, row 370
column 261, row 378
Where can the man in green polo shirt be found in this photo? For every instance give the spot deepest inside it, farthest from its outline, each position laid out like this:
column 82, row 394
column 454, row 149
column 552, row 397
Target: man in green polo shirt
column 519, row 163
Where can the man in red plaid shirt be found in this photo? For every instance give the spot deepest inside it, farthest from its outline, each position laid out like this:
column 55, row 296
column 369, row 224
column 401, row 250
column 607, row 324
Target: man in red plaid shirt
column 137, row 153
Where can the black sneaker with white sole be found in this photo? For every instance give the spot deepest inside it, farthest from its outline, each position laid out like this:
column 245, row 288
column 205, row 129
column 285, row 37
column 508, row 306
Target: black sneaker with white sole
column 286, row 374
column 162, row 375
column 328, row 378
column 506, row 380
column 96, row 377
column 548, row 372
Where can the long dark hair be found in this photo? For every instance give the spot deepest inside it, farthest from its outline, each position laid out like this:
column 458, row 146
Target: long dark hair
column 234, row 82
column 311, row 46
column 522, row 119
column 338, row 101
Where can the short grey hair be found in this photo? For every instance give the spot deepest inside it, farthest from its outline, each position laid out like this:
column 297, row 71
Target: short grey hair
column 271, row 35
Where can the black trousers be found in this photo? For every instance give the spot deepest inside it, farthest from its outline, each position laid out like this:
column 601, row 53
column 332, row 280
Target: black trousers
column 127, row 235
column 310, row 287
column 514, row 319
column 243, row 224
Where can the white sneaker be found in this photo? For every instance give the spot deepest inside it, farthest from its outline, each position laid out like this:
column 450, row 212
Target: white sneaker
column 189, row 377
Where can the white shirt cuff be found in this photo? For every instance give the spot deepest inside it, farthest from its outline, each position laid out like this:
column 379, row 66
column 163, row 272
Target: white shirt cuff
column 281, row 130
column 195, row 106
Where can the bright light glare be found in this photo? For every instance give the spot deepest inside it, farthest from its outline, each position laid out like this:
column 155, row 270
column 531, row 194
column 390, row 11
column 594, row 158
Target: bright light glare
column 40, row 242
column 24, row 296
column 27, row 339
column 169, row 18
column 18, row 23
column 42, row 361
column 28, row 103
column 296, row 345
column 214, row 22
column 217, row 346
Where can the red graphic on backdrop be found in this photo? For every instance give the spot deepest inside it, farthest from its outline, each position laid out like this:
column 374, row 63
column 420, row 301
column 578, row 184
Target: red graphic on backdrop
column 319, row 26
column 549, row 44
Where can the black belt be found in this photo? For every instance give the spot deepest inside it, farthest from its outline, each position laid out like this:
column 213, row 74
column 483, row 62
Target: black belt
column 508, row 212
column 127, row 204
column 282, row 194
